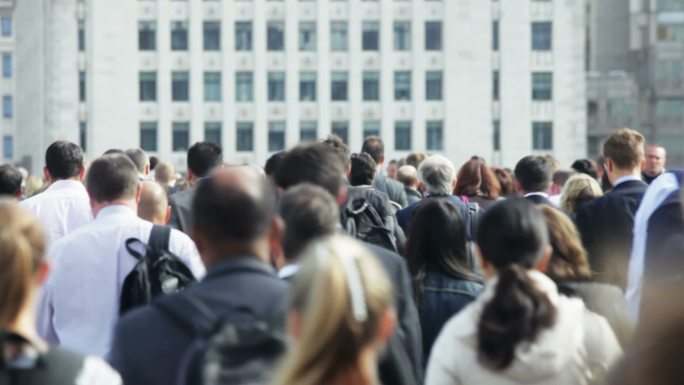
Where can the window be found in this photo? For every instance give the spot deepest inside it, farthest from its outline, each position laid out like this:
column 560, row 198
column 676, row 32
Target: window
column 338, row 86
column 495, row 35
column 435, row 136
column 542, row 86
column 81, row 35
column 181, row 136
column 338, row 36
column 341, row 129
column 245, row 136
column 212, row 132
column 541, row 36
column 433, row 85
column 307, row 35
column 497, row 135
column 83, row 135
column 212, row 86
column 402, row 35
column 371, row 36
column 179, row 35
column 8, row 147
column 147, row 36
column 307, row 86
column 81, row 86
column 371, row 86
column 148, row 136
column 7, row 65
column 276, row 136
column 243, row 87
column 148, row 86
column 179, row 87
column 243, row 36
column 433, row 35
column 307, row 131
column 371, row 128
column 212, row 36
column 276, row 35
column 276, row 86
column 542, row 135
column 402, row 85
column 495, row 85
column 402, row 136
column 6, row 26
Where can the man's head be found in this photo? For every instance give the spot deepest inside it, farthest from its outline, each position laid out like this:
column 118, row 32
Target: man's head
column 340, row 148
column 438, row 175
column 140, row 160
column 235, row 215
column 408, row 175
column 273, row 162
column 312, row 163
column 154, row 205
column 532, row 174
column 392, row 168
column 362, row 170
column 10, row 182
column 202, row 158
column 63, row 160
column 165, row 174
column 655, row 160
column 558, row 181
column 624, row 153
column 416, row 158
column 154, row 161
column 112, row 179
column 308, row 212
column 374, row 147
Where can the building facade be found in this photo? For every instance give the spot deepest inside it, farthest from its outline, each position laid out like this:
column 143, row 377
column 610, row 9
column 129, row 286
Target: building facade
column 7, row 88
column 496, row 79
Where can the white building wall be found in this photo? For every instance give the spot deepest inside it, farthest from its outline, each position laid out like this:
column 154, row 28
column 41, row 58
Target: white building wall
column 7, row 84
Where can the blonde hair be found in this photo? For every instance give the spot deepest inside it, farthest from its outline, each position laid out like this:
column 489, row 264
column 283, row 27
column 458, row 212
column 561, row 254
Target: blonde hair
column 580, row 188
column 332, row 333
column 569, row 258
column 22, row 245
column 34, row 185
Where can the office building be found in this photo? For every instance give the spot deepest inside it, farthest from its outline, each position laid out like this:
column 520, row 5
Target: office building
column 7, row 88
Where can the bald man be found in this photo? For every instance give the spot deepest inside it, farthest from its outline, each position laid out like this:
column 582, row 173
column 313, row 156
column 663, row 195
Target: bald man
column 654, row 164
column 408, row 176
column 154, row 205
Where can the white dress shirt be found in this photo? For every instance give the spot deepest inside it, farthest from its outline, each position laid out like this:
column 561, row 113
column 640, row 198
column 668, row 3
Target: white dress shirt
column 61, row 208
column 79, row 304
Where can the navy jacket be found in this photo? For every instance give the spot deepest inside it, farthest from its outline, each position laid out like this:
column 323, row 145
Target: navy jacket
column 405, row 216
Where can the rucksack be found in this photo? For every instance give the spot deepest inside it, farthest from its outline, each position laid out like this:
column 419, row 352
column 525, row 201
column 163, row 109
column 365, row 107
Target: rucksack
column 362, row 221
column 234, row 349
column 157, row 272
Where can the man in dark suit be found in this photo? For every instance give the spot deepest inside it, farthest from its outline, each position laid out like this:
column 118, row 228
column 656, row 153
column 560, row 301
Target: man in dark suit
column 149, row 345
column 374, row 147
column 203, row 157
column 319, row 165
column 408, row 175
column 606, row 224
column 533, row 178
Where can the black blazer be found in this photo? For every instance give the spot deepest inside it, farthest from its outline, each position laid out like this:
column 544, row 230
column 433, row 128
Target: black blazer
column 606, row 226
column 538, row 200
column 181, row 209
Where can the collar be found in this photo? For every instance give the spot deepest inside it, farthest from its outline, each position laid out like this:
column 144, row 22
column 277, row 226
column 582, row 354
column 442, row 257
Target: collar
column 288, row 271
column 537, row 193
column 115, row 210
column 66, row 184
column 238, row 264
column 626, row 178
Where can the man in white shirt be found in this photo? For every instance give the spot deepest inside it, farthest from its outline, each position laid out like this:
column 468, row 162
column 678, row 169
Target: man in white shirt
column 64, row 206
column 80, row 302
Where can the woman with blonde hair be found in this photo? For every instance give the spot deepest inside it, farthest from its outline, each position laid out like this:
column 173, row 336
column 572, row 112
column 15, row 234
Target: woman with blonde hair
column 579, row 190
column 26, row 358
column 340, row 316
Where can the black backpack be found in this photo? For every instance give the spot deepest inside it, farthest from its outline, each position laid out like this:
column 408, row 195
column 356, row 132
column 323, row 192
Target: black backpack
column 237, row 348
column 157, row 272
column 362, row 221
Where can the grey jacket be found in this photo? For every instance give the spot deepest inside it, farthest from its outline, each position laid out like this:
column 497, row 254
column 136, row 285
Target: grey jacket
column 392, row 188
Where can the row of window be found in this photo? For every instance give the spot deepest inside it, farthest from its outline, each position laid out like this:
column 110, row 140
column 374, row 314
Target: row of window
column 275, row 36
column 542, row 35
column 308, row 131
column 542, row 86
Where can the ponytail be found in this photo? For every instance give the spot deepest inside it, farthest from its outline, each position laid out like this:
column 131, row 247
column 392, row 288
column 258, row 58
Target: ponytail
column 519, row 312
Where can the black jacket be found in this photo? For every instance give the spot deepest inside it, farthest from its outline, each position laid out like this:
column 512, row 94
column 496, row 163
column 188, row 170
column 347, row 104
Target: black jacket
column 606, row 226
column 148, row 346
column 181, row 209
column 538, row 200
column 392, row 188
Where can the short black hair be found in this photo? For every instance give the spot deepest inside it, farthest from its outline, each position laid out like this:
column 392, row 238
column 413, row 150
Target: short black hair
column 273, row 162
column 63, row 159
column 139, row 158
column 311, row 163
column 10, row 180
column 204, row 157
column 534, row 173
column 114, row 151
column 225, row 211
column 374, row 147
column 586, row 166
column 362, row 170
column 112, row 177
column 154, row 161
column 340, row 148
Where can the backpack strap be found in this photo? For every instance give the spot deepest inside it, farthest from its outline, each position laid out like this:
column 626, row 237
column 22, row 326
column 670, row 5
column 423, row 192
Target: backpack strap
column 159, row 238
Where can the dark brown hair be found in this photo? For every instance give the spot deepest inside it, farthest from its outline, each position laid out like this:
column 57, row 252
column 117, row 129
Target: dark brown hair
column 475, row 178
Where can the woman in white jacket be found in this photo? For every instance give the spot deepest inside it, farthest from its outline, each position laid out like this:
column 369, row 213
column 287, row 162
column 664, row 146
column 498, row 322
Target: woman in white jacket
column 520, row 330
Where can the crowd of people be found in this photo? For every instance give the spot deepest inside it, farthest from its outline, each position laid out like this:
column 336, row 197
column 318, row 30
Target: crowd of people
column 327, row 267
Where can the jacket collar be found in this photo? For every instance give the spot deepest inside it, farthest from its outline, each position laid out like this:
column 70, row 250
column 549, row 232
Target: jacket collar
column 629, row 184
column 239, row 264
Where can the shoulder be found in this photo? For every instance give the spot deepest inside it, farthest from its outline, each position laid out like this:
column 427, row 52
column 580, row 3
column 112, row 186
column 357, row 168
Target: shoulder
column 182, row 197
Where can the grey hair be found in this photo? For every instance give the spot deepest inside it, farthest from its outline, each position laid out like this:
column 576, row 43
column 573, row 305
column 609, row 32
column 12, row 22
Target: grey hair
column 437, row 174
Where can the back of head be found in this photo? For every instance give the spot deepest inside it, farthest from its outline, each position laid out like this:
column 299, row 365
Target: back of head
column 533, row 173
column 579, row 189
column 204, row 157
column 154, row 161
column 505, row 178
column 340, row 148
column 416, row 158
column 312, row 163
column 374, row 147
column 362, row 170
column 569, row 259
column 560, row 177
column 64, row 160
column 585, row 166
column 139, row 159
column 309, row 212
column 112, row 177
column 625, row 148
column 437, row 174
column 407, row 175
column 114, row 151
column 273, row 162
column 164, row 173
column 10, row 181
column 342, row 296
column 153, row 202
column 34, row 185
column 22, row 245
column 476, row 178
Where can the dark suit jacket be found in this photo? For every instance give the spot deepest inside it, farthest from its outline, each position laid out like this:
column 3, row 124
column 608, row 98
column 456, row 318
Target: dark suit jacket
column 606, row 226
column 392, row 188
column 405, row 216
column 148, row 345
column 181, row 209
column 412, row 196
column 539, row 200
